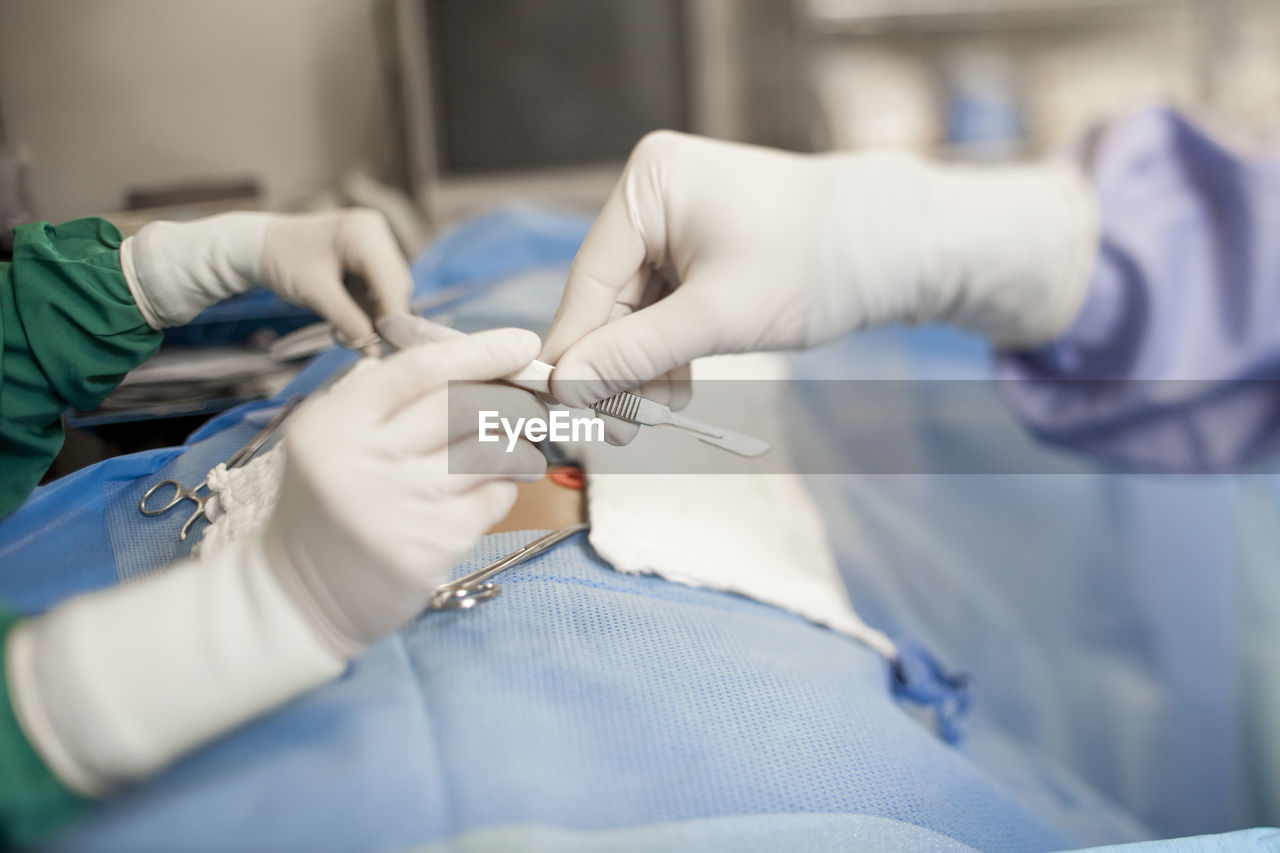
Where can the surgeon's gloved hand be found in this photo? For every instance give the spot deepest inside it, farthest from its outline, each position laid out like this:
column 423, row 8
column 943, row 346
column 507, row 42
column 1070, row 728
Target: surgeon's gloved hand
column 111, row 686
column 177, row 269
column 712, row 247
column 370, row 519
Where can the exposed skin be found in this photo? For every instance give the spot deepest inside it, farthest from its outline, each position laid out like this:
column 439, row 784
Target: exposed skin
column 544, row 505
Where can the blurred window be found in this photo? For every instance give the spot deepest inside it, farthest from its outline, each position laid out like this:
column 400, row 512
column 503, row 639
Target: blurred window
column 520, row 84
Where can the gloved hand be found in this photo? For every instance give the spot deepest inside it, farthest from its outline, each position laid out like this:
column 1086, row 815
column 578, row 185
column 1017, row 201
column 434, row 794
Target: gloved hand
column 177, row 269
column 370, row 519
column 111, row 686
column 711, row 247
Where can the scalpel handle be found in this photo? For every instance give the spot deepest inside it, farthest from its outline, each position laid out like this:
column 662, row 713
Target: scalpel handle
column 725, row 439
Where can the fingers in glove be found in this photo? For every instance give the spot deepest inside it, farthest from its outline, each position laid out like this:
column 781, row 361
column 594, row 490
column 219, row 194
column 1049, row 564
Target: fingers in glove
column 403, row 331
column 483, row 506
column 435, row 481
column 628, row 237
column 324, row 292
column 635, row 349
column 367, row 248
column 453, row 413
column 467, row 402
column 671, row 389
column 410, row 375
column 472, row 461
column 677, row 386
column 618, row 432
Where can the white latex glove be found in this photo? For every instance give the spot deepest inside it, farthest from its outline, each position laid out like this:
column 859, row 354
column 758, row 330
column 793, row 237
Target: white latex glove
column 111, row 686
column 370, row 519
column 177, row 269
column 711, row 247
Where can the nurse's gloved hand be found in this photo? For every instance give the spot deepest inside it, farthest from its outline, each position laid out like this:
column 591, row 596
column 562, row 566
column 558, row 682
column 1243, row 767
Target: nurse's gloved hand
column 370, row 519
column 177, row 269
column 112, row 686
column 711, row 247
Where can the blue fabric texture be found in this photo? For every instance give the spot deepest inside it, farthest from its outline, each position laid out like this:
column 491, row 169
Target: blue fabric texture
column 582, row 699
column 1183, row 308
column 58, row 542
column 147, row 545
column 586, row 704
column 496, row 247
column 794, row 833
column 1261, row 840
column 1100, row 615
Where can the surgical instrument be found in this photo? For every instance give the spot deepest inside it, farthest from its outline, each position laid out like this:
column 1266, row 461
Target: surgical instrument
column 357, row 344
column 469, row 590
column 403, row 330
column 318, row 337
column 641, row 410
column 238, row 459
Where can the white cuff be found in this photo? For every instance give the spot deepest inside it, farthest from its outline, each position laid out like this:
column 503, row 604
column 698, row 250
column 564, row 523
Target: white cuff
column 139, row 295
column 112, row 686
column 1081, row 202
column 1017, row 246
column 176, row 270
column 34, row 718
column 1003, row 251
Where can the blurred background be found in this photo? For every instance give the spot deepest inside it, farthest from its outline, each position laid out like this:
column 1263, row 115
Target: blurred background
column 436, row 110
column 117, row 105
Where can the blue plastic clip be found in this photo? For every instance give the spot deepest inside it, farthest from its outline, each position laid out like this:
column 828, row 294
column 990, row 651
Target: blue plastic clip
column 919, row 678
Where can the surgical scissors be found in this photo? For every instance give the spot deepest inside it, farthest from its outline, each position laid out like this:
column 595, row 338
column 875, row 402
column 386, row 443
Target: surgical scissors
column 469, row 590
column 240, row 457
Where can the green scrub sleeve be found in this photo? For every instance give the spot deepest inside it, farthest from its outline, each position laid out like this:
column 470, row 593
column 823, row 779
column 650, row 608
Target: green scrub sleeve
column 33, row 803
column 69, row 332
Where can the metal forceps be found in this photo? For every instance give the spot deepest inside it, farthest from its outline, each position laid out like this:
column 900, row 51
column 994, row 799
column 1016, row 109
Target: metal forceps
column 240, row 457
column 469, row 590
